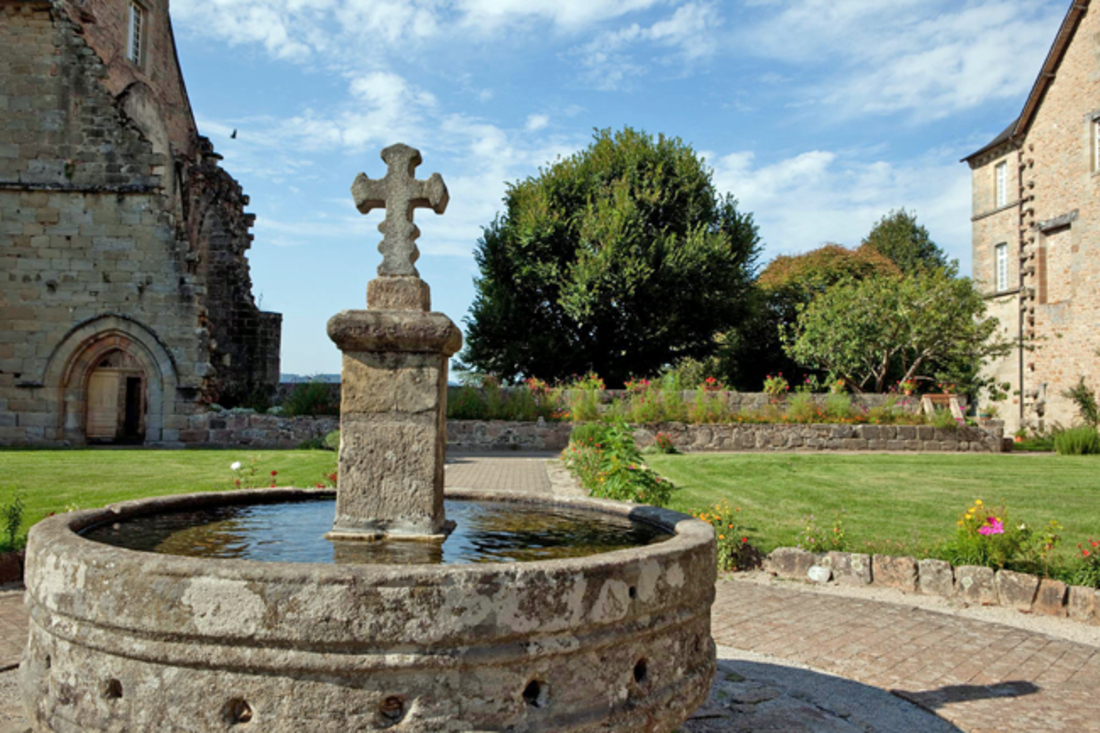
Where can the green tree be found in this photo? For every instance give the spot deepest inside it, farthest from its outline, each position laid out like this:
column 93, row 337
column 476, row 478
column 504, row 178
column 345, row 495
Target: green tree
column 904, row 326
column 620, row 259
column 786, row 286
column 899, row 237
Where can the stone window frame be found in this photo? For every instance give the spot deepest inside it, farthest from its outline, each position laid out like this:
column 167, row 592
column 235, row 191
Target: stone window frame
column 1000, row 267
column 1000, row 184
column 137, row 32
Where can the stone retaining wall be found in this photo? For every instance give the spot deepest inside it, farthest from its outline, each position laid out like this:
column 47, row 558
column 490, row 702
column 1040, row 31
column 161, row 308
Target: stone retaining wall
column 735, row 437
column 969, row 584
column 242, row 428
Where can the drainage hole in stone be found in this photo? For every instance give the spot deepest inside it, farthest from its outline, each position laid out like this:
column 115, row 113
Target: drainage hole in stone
column 640, row 672
column 633, row 592
column 392, row 708
column 536, row 694
column 49, row 661
column 237, row 711
column 112, row 689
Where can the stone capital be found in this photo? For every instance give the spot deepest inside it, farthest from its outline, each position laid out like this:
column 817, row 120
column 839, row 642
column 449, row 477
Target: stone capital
column 395, row 331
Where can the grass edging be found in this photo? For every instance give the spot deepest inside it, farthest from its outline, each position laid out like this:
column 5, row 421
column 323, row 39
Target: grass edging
column 968, row 583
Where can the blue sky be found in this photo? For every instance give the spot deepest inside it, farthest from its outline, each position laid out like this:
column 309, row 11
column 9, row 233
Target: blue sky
column 819, row 115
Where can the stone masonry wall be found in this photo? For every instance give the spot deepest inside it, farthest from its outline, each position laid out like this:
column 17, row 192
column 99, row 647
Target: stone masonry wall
column 233, row 428
column 84, row 232
column 1052, row 227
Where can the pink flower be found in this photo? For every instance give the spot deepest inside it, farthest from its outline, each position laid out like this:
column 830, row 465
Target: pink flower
column 995, row 526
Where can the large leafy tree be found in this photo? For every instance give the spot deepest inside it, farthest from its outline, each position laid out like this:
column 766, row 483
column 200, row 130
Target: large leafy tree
column 899, row 237
column 912, row 327
column 621, row 259
column 788, row 284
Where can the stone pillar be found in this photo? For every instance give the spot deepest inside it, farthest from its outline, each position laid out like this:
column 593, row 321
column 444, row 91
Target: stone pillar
column 393, row 431
column 393, row 409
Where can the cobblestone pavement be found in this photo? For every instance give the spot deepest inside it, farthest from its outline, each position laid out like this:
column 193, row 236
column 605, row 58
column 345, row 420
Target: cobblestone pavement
column 983, row 677
column 792, row 660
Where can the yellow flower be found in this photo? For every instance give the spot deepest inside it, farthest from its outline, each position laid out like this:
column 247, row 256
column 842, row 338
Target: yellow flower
column 721, row 537
column 978, row 502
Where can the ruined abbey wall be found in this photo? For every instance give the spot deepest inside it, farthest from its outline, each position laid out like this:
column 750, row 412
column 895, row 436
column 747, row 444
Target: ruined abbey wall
column 121, row 239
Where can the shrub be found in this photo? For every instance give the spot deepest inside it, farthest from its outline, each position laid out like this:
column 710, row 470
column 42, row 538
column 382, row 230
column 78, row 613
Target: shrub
column 311, row 398
column 801, row 408
column 12, row 514
column 663, row 443
column 838, row 406
column 735, row 552
column 1081, row 441
column 987, row 537
column 332, row 440
column 708, row 407
column 583, row 397
column 776, row 386
column 1087, row 571
column 609, row 465
column 1085, row 400
column 822, row 539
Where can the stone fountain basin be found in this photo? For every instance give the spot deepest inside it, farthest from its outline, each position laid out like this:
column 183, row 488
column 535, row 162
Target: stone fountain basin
column 122, row 640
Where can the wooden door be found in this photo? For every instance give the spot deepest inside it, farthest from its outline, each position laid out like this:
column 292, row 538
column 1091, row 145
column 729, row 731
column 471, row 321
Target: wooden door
column 103, row 389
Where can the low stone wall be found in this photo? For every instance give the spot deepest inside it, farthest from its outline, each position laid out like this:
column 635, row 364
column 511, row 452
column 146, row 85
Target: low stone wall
column 230, row 428
column 240, row 428
column 483, row 435
column 969, row 584
column 783, row 437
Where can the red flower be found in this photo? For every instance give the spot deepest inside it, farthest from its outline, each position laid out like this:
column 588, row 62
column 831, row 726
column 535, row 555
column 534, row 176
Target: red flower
column 273, row 473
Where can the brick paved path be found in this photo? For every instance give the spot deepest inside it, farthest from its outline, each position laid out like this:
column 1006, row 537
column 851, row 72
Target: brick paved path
column 510, row 472
column 983, row 677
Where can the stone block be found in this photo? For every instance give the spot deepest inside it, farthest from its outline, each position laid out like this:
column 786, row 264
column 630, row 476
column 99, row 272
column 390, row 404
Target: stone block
column 849, row 568
column 895, row 572
column 936, row 578
column 192, row 436
column 392, row 383
column 1051, row 598
column 820, row 574
column 1016, row 590
column 907, row 432
column 976, row 584
column 790, row 562
column 1082, row 605
column 926, row 433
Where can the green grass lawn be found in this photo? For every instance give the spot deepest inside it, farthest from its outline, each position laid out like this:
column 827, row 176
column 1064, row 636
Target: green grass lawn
column 914, row 500
column 51, row 480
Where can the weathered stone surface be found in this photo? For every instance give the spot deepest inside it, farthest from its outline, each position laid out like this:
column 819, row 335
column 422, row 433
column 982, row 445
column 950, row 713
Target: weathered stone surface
column 790, row 562
column 384, row 331
column 849, row 568
column 975, row 584
column 895, row 572
column 1051, row 598
column 820, row 574
column 936, row 578
column 622, row 639
column 1082, row 605
column 1016, row 590
column 399, row 293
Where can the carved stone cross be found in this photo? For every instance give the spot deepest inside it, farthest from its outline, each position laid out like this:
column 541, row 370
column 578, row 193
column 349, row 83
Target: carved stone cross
column 399, row 193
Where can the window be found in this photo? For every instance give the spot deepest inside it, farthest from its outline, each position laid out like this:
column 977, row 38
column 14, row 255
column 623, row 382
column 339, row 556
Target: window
column 1096, row 145
column 1000, row 256
column 1002, row 184
column 137, row 27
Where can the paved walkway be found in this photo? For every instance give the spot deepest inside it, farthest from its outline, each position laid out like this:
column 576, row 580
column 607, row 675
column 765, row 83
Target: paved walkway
column 980, row 676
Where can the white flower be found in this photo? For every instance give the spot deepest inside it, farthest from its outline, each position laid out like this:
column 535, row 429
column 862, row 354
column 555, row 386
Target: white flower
column 235, row 466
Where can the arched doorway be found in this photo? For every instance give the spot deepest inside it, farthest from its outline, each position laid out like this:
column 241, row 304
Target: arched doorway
column 116, row 400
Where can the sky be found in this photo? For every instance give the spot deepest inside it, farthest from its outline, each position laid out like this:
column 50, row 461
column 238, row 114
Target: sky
column 820, row 116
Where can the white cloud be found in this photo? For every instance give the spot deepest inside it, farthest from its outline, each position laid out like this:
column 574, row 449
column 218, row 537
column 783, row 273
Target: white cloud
column 569, row 15
column 927, row 57
column 536, row 122
column 689, row 34
column 816, row 197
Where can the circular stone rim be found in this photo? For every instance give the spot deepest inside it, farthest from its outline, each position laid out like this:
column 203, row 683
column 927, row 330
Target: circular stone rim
column 62, row 533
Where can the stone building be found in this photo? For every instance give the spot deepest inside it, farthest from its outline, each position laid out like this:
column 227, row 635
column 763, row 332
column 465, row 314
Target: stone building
column 125, row 295
column 1036, row 229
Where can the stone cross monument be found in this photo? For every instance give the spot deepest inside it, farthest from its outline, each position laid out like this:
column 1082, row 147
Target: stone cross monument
column 393, row 408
